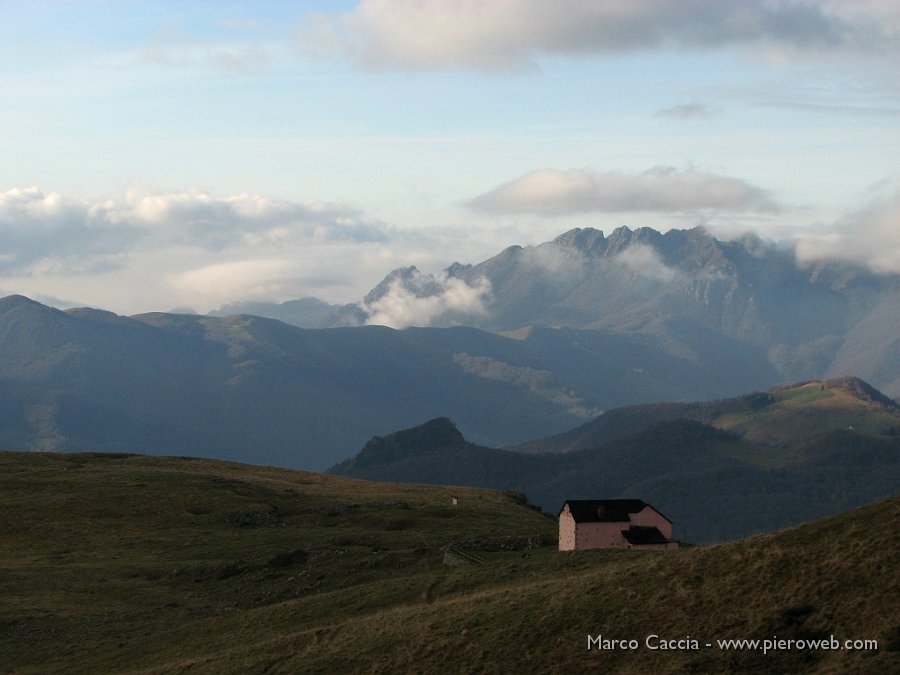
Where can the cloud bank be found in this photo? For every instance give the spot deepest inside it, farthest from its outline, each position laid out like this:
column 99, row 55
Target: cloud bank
column 510, row 34
column 549, row 192
column 41, row 231
column 423, row 299
column 869, row 237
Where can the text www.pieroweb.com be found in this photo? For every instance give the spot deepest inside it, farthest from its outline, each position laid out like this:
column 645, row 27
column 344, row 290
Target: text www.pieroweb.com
column 765, row 645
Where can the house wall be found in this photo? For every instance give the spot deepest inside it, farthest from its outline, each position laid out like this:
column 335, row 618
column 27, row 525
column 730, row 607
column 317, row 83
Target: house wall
column 650, row 517
column 600, row 535
column 566, row 530
column 579, row 536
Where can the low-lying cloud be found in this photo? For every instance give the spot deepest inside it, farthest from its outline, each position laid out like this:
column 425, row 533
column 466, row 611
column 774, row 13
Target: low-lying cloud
column 645, row 261
column 550, row 192
column 405, row 304
column 511, row 34
column 870, row 237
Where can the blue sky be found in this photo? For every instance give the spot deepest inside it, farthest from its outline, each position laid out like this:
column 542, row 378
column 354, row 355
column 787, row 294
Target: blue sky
column 163, row 154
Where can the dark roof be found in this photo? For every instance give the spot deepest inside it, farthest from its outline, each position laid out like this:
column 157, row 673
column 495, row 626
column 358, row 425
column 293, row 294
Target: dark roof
column 641, row 534
column 605, row 510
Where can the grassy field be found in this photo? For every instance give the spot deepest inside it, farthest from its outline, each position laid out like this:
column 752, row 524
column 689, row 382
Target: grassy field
column 806, row 409
column 115, row 563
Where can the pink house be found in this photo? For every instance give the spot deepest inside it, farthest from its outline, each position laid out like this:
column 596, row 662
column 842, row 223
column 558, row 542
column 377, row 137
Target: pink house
column 613, row 523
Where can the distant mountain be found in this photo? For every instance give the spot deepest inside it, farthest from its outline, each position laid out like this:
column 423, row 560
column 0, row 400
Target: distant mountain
column 305, row 312
column 437, row 453
column 238, row 387
column 781, row 415
column 259, row 390
column 697, row 294
column 687, row 292
column 721, row 470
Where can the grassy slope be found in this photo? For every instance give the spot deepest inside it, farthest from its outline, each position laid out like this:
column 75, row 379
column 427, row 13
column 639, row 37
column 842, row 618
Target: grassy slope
column 776, row 418
column 141, row 564
column 809, row 408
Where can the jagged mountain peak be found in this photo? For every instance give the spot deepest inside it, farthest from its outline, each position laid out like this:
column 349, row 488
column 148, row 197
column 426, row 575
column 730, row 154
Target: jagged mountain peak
column 674, row 244
column 584, row 239
column 411, row 280
column 402, row 275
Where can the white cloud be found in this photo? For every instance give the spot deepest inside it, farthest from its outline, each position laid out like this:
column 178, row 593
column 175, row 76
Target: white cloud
column 39, row 231
column 870, row 237
column 406, row 303
column 551, row 192
column 561, row 263
column 215, row 223
column 644, row 261
column 510, row 34
column 49, row 231
column 141, row 250
column 219, row 283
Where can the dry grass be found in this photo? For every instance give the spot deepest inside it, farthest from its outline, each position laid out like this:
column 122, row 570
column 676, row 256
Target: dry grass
column 136, row 564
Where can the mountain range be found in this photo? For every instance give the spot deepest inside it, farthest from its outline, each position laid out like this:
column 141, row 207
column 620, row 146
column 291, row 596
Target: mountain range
column 721, row 470
column 530, row 343
column 686, row 292
column 259, row 390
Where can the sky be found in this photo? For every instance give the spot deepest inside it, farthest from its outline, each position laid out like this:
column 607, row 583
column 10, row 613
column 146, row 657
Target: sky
column 161, row 155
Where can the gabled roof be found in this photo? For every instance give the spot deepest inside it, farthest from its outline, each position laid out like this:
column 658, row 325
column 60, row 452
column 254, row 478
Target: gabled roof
column 643, row 535
column 605, row 510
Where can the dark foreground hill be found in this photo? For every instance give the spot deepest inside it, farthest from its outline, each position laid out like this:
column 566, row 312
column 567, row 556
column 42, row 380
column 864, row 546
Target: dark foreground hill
column 114, row 563
column 720, row 470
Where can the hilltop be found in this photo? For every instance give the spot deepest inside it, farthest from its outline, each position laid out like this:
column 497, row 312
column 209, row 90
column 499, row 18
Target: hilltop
column 722, row 469
column 775, row 417
column 123, row 563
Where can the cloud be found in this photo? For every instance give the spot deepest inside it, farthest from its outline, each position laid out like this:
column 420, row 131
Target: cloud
column 644, row 261
column 685, row 111
column 215, row 223
column 549, row 192
column 261, row 279
column 563, row 264
column 870, row 237
column 50, row 231
column 234, row 45
column 510, row 34
column 40, row 232
column 423, row 299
